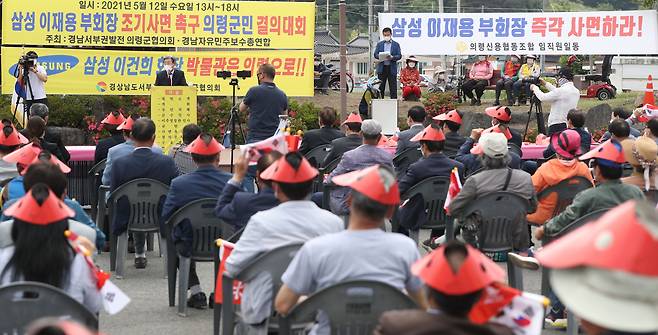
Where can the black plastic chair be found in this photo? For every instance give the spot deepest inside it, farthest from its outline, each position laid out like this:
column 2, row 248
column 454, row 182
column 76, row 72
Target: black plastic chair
column 500, row 213
column 23, row 302
column 406, row 158
column 515, row 149
column 96, row 174
column 318, row 183
column 434, row 191
column 145, row 197
column 101, row 212
column 572, row 324
column 566, row 191
column 274, row 262
column 206, row 228
column 353, row 307
column 317, row 155
column 652, row 196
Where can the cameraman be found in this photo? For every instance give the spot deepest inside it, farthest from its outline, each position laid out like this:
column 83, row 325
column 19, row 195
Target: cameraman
column 562, row 99
column 321, row 74
column 35, row 92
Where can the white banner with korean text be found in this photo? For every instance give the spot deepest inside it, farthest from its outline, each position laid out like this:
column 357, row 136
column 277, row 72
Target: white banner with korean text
column 550, row 33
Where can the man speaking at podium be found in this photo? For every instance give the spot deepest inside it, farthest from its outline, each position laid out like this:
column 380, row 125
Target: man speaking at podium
column 170, row 76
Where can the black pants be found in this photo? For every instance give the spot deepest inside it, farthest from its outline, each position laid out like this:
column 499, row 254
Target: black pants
column 194, row 279
column 386, row 75
column 474, row 85
column 556, row 128
column 322, row 82
column 29, row 103
column 140, row 242
column 507, row 85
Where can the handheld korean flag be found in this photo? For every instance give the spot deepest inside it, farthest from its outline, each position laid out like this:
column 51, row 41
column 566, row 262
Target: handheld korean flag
column 524, row 315
column 253, row 151
column 225, row 249
column 453, row 190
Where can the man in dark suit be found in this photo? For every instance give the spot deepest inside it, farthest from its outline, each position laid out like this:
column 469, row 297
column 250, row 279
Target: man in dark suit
column 433, row 164
column 455, row 277
column 49, row 136
column 110, row 122
column 207, row 181
column 352, row 140
column 170, row 76
column 141, row 163
column 387, row 67
column 415, row 118
column 327, row 132
column 450, row 123
column 236, row 207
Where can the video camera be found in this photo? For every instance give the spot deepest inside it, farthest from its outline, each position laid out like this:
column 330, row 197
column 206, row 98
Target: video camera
column 535, row 80
column 28, row 60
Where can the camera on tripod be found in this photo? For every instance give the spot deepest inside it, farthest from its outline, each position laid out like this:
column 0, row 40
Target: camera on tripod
column 531, row 80
column 27, row 61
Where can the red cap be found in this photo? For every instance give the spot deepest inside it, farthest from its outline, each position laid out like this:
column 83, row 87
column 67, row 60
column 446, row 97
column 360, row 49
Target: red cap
column 24, row 156
column 353, row 118
column 14, row 138
column 496, row 129
column 609, row 150
column 127, row 125
column 374, row 182
column 51, row 210
column 429, row 134
column 566, row 143
column 281, row 171
column 449, row 116
column 476, row 273
column 114, row 120
column 624, row 239
column 53, row 160
column 293, row 142
column 502, row 113
column 199, row 146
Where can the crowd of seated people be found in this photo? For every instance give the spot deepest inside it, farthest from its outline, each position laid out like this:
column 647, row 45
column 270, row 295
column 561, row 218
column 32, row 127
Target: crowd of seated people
column 347, row 240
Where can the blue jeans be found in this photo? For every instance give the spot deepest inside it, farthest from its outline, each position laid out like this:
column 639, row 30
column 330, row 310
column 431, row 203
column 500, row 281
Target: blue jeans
column 517, row 89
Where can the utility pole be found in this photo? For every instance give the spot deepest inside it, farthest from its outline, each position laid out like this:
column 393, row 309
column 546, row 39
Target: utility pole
column 343, row 60
column 445, row 57
column 371, row 24
column 542, row 58
column 440, row 6
column 327, row 17
column 459, row 57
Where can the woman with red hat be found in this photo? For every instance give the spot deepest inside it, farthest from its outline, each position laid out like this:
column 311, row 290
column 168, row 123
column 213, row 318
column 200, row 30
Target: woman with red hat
column 41, row 250
column 566, row 165
column 110, row 123
column 456, row 276
column 10, row 140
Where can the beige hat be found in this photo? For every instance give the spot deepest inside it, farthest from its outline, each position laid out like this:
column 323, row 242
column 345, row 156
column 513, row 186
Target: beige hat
column 642, row 152
column 493, row 145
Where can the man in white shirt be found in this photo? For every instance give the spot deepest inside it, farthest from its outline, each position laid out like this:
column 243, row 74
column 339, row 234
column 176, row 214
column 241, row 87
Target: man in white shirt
column 35, row 91
column 562, row 99
column 295, row 220
column 362, row 252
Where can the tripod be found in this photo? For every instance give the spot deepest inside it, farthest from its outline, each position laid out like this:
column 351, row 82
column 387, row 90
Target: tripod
column 234, row 118
column 26, row 79
column 535, row 105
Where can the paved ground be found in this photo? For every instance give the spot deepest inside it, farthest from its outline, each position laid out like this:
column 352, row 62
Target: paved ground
column 149, row 312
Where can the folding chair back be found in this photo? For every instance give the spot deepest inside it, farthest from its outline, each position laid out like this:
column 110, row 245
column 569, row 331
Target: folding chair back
column 353, row 307
column 23, row 302
column 566, row 191
column 96, row 173
column 406, row 158
column 317, row 155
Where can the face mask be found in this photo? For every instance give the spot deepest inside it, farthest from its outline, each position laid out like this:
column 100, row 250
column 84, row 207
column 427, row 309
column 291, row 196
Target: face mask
column 387, row 38
column 494, row 122
column 412, row 65
column 514, row 60
column 481, row 58
column 530, row 61
column 168, row 68
column 562, row 81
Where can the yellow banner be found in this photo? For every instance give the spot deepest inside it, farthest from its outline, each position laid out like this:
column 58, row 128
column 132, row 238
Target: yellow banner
column 160, row 23
column 171, row 109
column 105, row 72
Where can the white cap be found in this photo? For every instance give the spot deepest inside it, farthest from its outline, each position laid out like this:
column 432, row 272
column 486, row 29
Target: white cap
column 493, row 145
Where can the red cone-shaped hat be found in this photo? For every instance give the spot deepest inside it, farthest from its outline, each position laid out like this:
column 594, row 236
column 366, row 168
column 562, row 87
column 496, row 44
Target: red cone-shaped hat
column 24, row 155
column 449, row 116
column 496, row 129
column 51, row 210
column 114, row 120
column 293, row 142
column 476, row 273
column 53, row 160
column 502, row 113
column 623, row 239
column 374, row 182
column 199, row 146
column 15, row 138
column 353, row 118
column 127, row 125
column 281, row 171
column 429, row 134
column 608, row 150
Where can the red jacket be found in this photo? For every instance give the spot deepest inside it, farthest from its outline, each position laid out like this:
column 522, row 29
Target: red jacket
column 511, row 68
column 410, row 76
